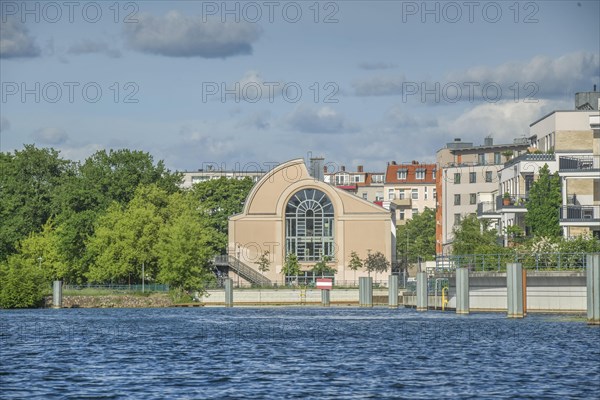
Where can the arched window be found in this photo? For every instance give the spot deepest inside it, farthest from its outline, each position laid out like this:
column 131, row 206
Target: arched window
column 309, row 225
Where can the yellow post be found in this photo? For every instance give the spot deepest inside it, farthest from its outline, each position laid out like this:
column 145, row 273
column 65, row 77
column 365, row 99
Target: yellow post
column 444, row 299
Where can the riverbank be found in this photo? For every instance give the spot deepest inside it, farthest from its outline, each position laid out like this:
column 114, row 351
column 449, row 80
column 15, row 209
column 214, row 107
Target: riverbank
column 154, row 300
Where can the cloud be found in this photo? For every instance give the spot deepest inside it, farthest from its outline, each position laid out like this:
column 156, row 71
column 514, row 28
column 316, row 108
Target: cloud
column 252, row 88
column 379, row 86
column 88, row 46
column 177, row 35
column 4, row 124
column 50, row 136
column 259, row 121
column 369, row 66
column 318, row 120
column 15, row 40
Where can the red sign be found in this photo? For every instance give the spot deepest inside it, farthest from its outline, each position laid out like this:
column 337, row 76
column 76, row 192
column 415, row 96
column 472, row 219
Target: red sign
column 324, row 283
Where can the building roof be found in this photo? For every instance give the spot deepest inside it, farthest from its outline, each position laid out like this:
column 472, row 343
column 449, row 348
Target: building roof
column 391, row 175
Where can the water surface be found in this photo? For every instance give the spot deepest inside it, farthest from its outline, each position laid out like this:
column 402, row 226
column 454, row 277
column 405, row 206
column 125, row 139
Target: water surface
column 199, row 353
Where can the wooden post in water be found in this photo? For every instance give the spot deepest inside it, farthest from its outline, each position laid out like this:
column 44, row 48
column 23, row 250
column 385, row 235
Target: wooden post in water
column 593, row 289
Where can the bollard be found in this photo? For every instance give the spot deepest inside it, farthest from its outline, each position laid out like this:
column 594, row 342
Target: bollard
column 228, row 283
column 593, row 289
column 462, row 290
column 325, row 297
column 514, row 290
column 422, row 291
column 57, row 299
column 365, row 289
column 393, row 291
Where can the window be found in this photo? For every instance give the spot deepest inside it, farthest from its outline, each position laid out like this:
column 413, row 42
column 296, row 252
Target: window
column 391, row 195
column 357, row 179
column 377, row 178
column 415, row 212
column 364, row 195
column 379, row 196
column 402, row 195
column 433, row 174
column 420, row 174
column 456, row 219
column 414, row 194
column 472, row 177
column 457, row 199
column 402, row 214
column 309, row 225
column 402, row 174
column 426, row 194
column 481, row 158
column 488, row 176
column 434, row 193
column 497, row 159
column 456, row 178
column 473, row 198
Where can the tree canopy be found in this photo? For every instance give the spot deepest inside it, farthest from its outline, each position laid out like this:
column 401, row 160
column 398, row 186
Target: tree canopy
column 544, row 204
column 416, row 238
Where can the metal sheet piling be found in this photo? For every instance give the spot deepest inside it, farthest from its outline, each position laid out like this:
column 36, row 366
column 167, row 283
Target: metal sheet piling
column 393, row 291
column 593, row 289
column 365, row 289
column 228, row 284
column 422, row 291
column 462, row 290
column 57, row 296
column 514, row 290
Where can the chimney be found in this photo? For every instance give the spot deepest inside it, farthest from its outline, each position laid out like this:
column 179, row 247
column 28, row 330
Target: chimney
column 359, row 168
column 415, row 162
column 394, row 163
column 317, row 168
column 457, row 139
column 488, row 141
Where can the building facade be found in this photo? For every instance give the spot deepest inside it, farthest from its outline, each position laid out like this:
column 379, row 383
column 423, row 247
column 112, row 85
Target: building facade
column 411, row 187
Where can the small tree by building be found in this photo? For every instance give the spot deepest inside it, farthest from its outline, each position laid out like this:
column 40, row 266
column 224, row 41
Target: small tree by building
column 291, row 267
column 321, row 268
column 264, row 262
column 544, row 204
column 355, row 263
column 376, row 262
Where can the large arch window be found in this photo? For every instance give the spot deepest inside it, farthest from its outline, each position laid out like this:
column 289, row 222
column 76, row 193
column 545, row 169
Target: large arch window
column 309, row 225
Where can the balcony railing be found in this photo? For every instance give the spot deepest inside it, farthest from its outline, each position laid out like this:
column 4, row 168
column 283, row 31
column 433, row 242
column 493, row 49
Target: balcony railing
column 579, row 163
column 519, row 201
column 486, row 208
column 579, row 213
column 530, row 158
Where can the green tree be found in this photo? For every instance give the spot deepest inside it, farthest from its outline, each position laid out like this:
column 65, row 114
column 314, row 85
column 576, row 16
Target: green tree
column 376, row 262
column 322, row 268
column 474, row 237
column 291, row 267
column 264, row 262
column 355, row 263
column 544, row 204
column 29, row 181
column 219, row 199
column 416, row 238
column 23, row 283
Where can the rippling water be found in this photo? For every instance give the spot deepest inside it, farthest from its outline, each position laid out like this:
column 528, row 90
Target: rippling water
column 200, row 353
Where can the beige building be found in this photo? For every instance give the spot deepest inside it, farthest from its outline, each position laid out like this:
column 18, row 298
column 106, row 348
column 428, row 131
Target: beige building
column 291, row 211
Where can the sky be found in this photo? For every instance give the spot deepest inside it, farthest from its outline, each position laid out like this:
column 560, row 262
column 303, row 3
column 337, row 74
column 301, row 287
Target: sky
column 241, row 84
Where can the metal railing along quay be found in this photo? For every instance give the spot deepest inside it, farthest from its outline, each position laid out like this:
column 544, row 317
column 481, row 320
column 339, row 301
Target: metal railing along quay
column 497, row 262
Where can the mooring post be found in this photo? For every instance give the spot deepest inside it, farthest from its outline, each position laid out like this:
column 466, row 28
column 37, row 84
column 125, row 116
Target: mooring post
column 57, row 299
column 228, row 283
column 422, row 291
column 593, row 289
column 462, row 290
column 325, row 297
column 514, row 290
column 365, row 288
column 393, row 291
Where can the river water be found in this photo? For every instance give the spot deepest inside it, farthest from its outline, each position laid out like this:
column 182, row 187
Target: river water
column 201, row 353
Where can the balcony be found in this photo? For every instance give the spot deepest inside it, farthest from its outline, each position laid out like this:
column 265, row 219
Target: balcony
column 572, row 213
column 512, row 204
column 579, row 163
column 542, row 157
column 487, row 209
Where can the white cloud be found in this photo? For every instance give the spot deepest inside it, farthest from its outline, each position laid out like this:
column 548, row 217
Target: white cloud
column 15, row 40
column 379, row 85
column 50, row 136
column 258, row 120
column 178, row 35
column 318, row 120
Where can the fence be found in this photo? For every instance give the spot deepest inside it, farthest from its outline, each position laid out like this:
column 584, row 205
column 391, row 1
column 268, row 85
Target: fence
column 497, row 262
column 306, row 283
column 148, row 287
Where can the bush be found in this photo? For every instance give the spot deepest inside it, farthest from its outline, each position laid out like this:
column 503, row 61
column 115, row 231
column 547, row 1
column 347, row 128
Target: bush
column 22, row 284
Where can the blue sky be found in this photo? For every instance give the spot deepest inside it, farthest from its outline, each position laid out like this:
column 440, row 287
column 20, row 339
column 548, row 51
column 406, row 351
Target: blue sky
column 366, row 82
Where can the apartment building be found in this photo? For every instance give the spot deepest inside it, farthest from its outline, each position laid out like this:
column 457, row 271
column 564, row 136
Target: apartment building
column 203, row 175
column 411, row 187
column 568, row 142
column 366, row 185
column 464, row 173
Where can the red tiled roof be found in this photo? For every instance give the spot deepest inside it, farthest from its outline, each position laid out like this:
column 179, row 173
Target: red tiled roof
column 391, row 175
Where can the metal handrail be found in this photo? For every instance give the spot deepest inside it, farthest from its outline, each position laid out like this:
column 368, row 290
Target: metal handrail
column 242, row 269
